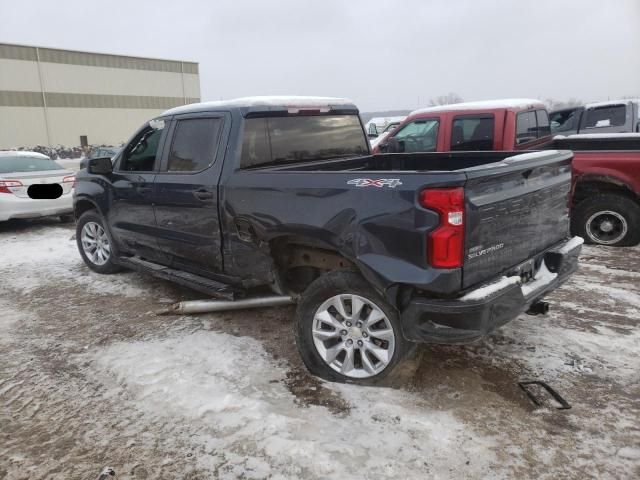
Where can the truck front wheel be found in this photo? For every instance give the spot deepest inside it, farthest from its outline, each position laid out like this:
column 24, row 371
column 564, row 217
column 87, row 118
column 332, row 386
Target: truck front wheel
column 95, row 243
column 607, row 219
column 346, row 332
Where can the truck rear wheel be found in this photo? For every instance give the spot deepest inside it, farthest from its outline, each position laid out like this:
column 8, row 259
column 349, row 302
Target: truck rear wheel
column 346, row 332
column 607, row 219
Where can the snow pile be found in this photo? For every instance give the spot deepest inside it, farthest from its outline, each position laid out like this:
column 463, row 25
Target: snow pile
column 515, row 103
column 578, row 136
column 572, row 244
column 266, row 101
column 232, row 393
column 38, row 258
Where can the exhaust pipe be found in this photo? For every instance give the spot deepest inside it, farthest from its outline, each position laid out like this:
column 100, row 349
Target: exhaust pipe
column 206, row 306
column 538, row 308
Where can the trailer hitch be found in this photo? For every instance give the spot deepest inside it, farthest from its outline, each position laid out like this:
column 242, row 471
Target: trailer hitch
column 564, row 405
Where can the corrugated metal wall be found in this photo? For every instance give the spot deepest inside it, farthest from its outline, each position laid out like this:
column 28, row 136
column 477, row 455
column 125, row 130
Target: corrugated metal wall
column 52, row 97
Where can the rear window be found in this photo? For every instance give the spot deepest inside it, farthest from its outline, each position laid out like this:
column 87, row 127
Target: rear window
column 531, row 126
column 22, row 164
column 280, row 140
column 609, row 116
column 526, row 127
column 472, row 133
column 544, row 128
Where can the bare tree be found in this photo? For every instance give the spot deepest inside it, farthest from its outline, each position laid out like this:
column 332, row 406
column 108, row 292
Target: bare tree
column 557, row 104
column 448, row 99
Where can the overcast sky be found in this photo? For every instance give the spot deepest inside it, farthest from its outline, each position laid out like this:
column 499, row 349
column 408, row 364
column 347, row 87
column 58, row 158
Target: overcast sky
column 382, row 54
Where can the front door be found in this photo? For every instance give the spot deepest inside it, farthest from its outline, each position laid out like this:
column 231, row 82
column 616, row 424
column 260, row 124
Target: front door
column 131, row 217
column 186, row 192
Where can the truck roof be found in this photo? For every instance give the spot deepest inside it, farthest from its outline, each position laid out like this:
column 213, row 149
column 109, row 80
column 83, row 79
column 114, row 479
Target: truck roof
column 268, row 102
column 506, row 103
column 608, row 103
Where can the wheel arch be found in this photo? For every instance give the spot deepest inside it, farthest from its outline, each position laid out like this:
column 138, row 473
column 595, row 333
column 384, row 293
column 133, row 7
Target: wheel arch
column 83, row 205
column 589, row 185
column 298, row 261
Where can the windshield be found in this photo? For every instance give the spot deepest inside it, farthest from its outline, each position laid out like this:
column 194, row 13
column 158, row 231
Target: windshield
column 22, row 164
column 278, row 140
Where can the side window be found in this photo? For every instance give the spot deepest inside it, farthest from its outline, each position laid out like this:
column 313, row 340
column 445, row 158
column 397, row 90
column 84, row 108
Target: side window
column 543, row 123
column 563, row 121
column 194, row 144
column 255, row 145
column 526, row 127
column 419, row 136
column 472, row 133
column 140, row 155
column 609, row 116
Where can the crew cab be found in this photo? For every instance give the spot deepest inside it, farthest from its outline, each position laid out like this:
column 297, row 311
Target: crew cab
column 606, row 193
column 379, row 251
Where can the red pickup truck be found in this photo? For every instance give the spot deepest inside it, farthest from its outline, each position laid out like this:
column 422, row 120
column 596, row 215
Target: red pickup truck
column 606, row 167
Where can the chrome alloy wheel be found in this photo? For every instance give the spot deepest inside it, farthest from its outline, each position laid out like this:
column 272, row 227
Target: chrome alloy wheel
column 606, row 227
column 353, row 336
column 95, row 243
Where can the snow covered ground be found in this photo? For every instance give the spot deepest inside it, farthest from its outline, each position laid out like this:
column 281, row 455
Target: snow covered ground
column 90, row 377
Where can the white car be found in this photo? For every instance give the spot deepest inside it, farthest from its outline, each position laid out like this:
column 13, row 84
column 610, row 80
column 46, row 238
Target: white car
column 33, row 185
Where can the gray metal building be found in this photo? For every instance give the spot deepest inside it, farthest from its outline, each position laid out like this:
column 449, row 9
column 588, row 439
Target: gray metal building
column 54, row 97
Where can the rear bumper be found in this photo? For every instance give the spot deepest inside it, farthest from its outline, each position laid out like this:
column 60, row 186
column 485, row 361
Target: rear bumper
column 18, row 207
column 484, row 309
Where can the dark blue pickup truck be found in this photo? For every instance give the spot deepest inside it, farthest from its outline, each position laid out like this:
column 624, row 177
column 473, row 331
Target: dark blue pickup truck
column 282, row 193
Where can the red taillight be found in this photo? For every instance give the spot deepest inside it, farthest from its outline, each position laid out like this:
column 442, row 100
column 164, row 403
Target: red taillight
column 445, row 244
column 6, row 184
column 70, row 179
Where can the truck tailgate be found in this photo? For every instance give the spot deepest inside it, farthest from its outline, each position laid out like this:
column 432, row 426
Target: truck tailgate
column 515, row 209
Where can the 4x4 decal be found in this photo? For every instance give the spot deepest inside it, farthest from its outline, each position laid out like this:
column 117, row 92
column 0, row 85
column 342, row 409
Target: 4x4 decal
column 380, row 182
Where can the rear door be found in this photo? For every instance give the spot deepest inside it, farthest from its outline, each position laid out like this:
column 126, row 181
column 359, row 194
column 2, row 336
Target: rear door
column 186, row 192
column 131, row 217
column 515, row 210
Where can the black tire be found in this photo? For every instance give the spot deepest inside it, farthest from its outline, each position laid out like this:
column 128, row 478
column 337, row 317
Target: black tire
column 321, row 290
column 68, row 218
column 620, row 212
column 109, row 266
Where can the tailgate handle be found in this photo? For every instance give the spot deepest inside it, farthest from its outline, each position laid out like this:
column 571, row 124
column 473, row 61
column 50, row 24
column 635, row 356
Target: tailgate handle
column 527, row 173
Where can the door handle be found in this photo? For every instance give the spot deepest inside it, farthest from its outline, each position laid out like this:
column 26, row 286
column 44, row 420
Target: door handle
column 141, row 189
column 203, row 194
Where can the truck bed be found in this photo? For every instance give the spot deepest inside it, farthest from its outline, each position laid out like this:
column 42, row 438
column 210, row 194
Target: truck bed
column 416, row 162
column 368, row 207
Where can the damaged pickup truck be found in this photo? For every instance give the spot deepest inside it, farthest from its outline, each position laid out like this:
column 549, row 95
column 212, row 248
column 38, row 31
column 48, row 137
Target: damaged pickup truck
column 379, row 252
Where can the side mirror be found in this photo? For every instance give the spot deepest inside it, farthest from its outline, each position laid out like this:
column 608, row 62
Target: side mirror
column 100, row 166
column 394, row 146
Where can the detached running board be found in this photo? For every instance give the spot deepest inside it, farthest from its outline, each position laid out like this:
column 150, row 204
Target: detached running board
column 196, row 282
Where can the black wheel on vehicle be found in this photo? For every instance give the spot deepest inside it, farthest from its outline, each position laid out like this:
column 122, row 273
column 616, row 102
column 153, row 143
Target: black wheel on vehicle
column 346, row 331
column 95, row 243
column 66, row 218
column 607, row 219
